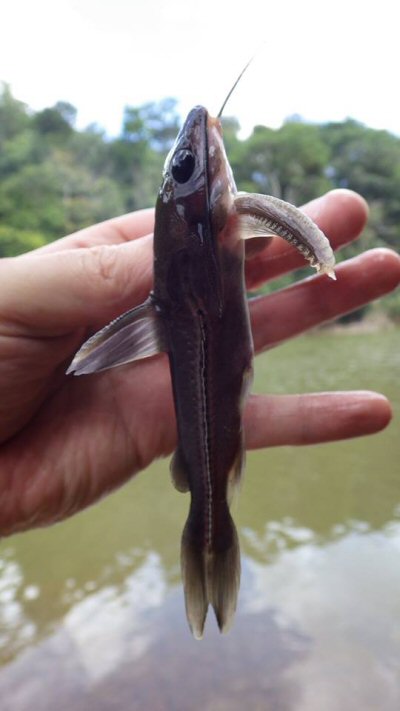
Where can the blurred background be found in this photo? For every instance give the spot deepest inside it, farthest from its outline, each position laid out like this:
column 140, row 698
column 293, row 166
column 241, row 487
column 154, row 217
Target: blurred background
column 91, row 610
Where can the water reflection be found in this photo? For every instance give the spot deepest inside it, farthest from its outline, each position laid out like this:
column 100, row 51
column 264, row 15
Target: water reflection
column 345, row 595
column 16, row 630
column 92, row 612
column 119, row 650
column 111, row 625
column 309, row 622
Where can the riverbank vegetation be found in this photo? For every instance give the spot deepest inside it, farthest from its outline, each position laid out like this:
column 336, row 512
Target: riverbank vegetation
column 55, row 179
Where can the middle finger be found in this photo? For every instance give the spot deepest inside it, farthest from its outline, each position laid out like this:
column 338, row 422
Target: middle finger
column 313, row 301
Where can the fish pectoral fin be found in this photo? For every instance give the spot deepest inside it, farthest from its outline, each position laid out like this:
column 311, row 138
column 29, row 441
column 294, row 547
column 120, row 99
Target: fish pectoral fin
column 178, row 472
column 134, row 335
column 264, row 215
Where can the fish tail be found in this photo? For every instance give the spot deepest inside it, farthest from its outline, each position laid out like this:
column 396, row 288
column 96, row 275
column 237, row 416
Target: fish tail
column 211, row 574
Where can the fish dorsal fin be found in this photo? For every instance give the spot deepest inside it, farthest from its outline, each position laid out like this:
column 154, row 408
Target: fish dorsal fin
column 135, row 335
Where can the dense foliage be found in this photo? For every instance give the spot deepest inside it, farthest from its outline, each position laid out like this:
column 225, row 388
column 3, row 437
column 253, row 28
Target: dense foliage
column 55, row 179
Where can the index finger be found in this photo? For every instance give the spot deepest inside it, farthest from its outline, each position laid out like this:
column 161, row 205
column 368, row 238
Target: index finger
column 117, row 230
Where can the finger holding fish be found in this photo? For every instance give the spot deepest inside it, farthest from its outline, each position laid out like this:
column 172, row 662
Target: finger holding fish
column 278, row 420
column 88, row 286
column 117, row 230
column 108, row 442
column 314, row 301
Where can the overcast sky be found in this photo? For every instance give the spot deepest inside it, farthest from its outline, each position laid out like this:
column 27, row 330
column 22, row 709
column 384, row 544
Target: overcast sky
column 324, row 61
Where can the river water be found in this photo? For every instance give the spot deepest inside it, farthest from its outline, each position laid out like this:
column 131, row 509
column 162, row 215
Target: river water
column 92, row 613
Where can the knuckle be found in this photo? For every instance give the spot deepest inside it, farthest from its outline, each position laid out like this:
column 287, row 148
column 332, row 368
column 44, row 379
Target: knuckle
column 105, row 269
column 104, row 263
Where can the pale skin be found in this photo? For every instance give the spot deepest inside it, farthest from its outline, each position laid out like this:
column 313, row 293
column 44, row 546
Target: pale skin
column 66, row 441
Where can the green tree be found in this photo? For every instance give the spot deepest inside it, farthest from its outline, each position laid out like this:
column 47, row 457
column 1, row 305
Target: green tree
column 368, row 161
column 288, row 163
column 14, row 116
column 138, row 155
column 52, row 124
column 14, row 241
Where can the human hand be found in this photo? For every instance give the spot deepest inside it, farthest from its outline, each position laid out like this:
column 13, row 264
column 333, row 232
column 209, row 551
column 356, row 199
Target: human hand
column 66, row 441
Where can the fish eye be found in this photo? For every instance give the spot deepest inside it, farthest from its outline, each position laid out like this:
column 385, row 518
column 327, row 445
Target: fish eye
column 182, row 165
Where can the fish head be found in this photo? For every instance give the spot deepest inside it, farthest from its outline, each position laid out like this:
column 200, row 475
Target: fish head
column 197, row 190
column 196, row 220
column 184, row 174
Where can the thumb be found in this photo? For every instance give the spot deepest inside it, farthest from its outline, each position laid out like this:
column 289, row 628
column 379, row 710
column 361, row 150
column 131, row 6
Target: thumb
column 53, row 293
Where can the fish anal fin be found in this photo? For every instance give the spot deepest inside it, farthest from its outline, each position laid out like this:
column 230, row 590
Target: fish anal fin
column 235, row 474
column 134, row 335
column 237, row 468
column 178, row 472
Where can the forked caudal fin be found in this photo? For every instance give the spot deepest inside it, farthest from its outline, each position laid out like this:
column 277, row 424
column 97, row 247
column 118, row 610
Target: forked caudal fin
column 211, row 575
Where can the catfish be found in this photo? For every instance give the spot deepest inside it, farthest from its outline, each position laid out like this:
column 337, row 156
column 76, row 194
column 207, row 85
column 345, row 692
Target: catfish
column 198, row 314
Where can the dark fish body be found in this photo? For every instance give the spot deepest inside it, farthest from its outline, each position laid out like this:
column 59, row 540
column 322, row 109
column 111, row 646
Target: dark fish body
column 199, row 293
column 198, row 314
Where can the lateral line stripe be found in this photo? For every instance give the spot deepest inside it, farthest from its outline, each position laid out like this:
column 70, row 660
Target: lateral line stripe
column 206, row 431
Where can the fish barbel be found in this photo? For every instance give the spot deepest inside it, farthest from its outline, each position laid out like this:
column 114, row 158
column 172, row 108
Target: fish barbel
column 198, row 313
